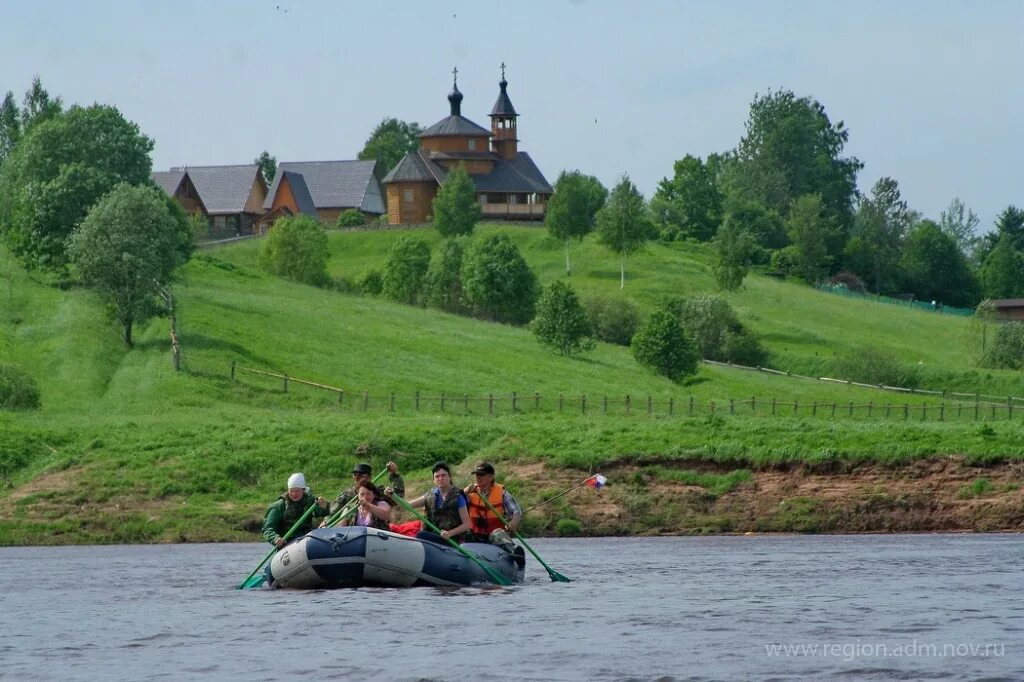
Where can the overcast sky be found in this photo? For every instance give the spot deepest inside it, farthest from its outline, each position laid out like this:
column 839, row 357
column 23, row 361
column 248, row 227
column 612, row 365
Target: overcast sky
column 932, row 92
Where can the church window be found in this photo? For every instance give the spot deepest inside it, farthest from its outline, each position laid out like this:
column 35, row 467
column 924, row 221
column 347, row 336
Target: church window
column 472, row 145
column 407, row 195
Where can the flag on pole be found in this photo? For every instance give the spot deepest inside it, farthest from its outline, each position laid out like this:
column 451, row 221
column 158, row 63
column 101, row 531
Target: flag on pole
column 596, row 481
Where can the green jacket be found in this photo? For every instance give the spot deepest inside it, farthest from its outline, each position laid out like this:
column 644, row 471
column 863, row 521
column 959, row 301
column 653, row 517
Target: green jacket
column 283, row 513
column 395, row 481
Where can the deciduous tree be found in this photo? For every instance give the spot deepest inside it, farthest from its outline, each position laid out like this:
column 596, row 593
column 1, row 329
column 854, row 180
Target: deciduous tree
column 268, row 166
column 497, row 282
column 734, row 249
column 390, row 141
column 296, row 249
column 10, row 126
column 663, row 345
column 456, row 210
column 960, row 223
column 881, row 224
column 405, row 268
column 561, row 321
column 623, row 225
column 1002, row 275
column 573, row 207
column 809, row 230
column 936, row 269
column 689, row 204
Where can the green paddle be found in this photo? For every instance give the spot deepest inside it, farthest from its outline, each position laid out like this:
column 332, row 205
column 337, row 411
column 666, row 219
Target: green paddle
column 494, row 575
column 556, row 577
column 344, row 511
column 246, row 584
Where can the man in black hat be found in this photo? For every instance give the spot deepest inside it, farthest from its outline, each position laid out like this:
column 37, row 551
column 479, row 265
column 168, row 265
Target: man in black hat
column 361, row 472
column 487, row 520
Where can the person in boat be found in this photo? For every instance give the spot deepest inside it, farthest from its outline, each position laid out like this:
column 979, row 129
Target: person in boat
column 361, row 473
column 289, row 508
column 488, row 526
column 372, row 511
column 446, row 507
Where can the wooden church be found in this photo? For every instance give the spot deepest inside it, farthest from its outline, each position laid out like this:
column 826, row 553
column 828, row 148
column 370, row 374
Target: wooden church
column 509, row 185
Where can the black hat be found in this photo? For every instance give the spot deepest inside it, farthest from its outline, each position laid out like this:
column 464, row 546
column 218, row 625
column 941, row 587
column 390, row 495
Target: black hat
column 362, row 468
column 439, row 466
column 484, row 468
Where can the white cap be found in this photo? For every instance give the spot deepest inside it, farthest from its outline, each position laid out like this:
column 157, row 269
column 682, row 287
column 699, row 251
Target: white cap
column 296, row 481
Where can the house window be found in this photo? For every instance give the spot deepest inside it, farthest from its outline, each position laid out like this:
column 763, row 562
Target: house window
column 218, row 222
column 407, row 195
column 483, row 198
column 472, row 145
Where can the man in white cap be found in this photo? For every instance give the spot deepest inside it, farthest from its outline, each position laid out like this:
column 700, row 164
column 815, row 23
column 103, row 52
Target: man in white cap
column 289, row 508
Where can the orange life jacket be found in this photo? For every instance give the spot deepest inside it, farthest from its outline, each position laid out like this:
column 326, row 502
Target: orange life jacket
column 483, row 519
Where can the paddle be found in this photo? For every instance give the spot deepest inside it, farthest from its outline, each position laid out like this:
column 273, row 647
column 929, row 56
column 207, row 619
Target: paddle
column 586, row 481
column 555, row 576
column 494, row 575
column 245, row 584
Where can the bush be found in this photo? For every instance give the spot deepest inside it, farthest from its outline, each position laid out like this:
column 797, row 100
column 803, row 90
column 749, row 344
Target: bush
column 568, row 528
column 872, row 366
column 716, row 331
column 296, row 248
column 372, row 283
column 456, row 209
column 1007, row 348
column 849, row 280
column 663, row 345
column 405, row 269
column 784, row 260
column 18, row 390
column 561, row 321
column 352, row 217
column 443, row 285
column 497, row 282
column 613, row 320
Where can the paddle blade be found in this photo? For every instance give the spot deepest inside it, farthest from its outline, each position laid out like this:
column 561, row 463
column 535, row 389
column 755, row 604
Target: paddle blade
column 254, row 581
column 557, row 577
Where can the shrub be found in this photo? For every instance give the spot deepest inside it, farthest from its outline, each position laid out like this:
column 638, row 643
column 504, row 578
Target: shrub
column 497, row 282
column 372, row 283
column 456, row 209
column 613, row 320
column 18, row 390
column 561, row 321
column 716, row 331
column 784, row 260
column 296, row 248
column 405, row 268
column 352, row 217
column 849, row 280
column 873, row 366
column 663, row 345
column 1007, row 348
column 443, row 285
column 568, row 527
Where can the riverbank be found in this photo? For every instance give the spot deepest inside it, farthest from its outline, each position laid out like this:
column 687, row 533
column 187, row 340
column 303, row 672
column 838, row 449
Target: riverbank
column 940, row 494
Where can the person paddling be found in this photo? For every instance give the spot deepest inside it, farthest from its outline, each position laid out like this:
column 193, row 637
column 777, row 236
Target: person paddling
column 487, row 525
column 289, row 508
column 445, row 506
column 361, row 474
column 373, row 511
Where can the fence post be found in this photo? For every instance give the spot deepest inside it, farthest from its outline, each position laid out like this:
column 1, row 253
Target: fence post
column 850, row 413
column 773, row 407
column 870, row 405
column 993, row 410
column 232, row 370
column 712, row 407
column 732, row 406
column 691, row 404
column 561, row 399
column 442, row 401
column 796, row 406
column 514, row 396
column 924, row 412
column 490, row 403
column 536, row 400
column 671, row 402
column 392, row 402
column 753, row 403
column 906, row 411
column 583, row 404
column 977, row 407
column 366, row 400
column 465, row 402
column 341, row 398
column 628, row 403
column 604, row 406
column 959, row 409
column 942, row 412
column 1009, row 407
column 648, row 404
column 285, row 383
column 834, row 404
column 887, row 406
column 814, row 408
column 417, row 401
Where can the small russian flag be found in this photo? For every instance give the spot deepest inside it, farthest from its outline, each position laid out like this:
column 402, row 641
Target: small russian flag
column 596, row 481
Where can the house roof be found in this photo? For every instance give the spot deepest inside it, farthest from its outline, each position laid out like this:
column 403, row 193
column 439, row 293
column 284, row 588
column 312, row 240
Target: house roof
column 519, row 174
column 168, row 181
column 454, row 124
column 503, row 105
column 303, row 200
column 412, row 168
column 222, row 189
column 1008, row 303
column 336, row 184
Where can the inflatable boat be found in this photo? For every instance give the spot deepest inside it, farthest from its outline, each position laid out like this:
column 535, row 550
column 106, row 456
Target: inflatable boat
column 356, row 556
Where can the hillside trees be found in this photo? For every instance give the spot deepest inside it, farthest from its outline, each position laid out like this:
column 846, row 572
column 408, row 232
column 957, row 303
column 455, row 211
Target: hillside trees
column 497, row 283
column 38, row 106
column 351, row 217
column 573, row 207
column 390, row 141
column 663, row 346
column 296, row 249
column 456, row 210
column 561, row 321
column 443, row 282
column 623, row 224
column 268, row 166
column 880, row 226
column 10, row 126
column 936, row 269
column 809, row 230
column 735, row 249
column 127, row 248
column 1002, row 274
column 689, row 204
column 716, row 331
column 58, row 170
column 960, row 223
column 405, row 268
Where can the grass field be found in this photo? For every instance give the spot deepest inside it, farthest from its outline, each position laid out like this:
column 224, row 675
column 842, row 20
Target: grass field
column 125, row 449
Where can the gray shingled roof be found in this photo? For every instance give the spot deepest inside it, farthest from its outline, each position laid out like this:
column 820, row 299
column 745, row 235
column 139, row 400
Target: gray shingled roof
column 222, row 189
column 454, row 125
column 412, row 168
column 168, row 181
column 336, row 184
column 301, row 193
column 503, row 105
column 513, row 175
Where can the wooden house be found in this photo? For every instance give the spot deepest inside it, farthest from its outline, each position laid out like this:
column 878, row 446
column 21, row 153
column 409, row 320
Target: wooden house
column 229, row 197
column 333, row 186
column 291, row 198
column 1009, row 308
column 508, row 183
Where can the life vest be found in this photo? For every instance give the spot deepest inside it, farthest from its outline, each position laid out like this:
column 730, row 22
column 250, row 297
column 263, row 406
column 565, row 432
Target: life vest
column 484, row 520
column 293, row 511
column 446, row 516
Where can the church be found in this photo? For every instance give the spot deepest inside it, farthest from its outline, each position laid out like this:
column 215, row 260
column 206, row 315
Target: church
column 509, row 185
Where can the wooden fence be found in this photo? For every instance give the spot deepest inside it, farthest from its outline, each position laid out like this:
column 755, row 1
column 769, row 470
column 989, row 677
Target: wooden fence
column 520, row 403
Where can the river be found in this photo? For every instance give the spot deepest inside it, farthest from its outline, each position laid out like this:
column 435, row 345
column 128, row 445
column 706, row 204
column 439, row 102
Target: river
column 874, row 607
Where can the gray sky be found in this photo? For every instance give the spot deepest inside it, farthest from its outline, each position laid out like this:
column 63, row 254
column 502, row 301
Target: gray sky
column 931, row 91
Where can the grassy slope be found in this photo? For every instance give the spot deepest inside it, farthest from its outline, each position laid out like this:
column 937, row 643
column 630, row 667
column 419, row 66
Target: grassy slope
column 194, row 455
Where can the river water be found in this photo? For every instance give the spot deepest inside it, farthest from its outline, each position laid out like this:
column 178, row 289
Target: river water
column 914, row 607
